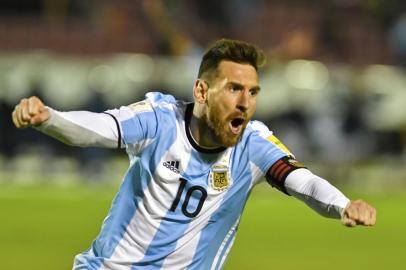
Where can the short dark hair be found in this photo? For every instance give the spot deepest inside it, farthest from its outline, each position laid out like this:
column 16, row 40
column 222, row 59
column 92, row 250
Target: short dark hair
column 232, row 50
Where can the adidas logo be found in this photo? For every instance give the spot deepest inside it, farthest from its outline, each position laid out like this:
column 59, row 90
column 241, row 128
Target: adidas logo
column 172, row 165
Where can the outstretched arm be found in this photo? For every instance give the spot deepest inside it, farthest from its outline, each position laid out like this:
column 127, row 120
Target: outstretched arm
column 328, row 200
column 79, row 128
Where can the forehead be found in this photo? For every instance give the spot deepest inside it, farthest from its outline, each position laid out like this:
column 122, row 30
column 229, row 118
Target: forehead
column 241, row 73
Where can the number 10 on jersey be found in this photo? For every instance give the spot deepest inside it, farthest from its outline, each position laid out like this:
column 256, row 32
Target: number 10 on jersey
column 189, row 192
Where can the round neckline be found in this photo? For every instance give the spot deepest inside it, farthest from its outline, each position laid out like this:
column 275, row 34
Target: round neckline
column 192, row 141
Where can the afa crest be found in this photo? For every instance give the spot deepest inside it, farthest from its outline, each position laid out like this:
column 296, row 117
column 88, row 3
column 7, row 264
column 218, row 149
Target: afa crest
column 219, row 177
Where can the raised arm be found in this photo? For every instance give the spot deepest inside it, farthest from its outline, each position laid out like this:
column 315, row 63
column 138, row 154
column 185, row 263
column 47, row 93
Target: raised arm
column 78, row 128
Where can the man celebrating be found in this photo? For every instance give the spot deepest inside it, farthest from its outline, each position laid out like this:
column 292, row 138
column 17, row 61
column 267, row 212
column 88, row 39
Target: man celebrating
column 192, row 167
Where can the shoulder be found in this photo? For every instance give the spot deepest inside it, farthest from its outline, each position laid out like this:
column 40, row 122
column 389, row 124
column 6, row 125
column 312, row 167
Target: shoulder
column 258, row 128
column 147, row 118
column 159, row 100
column 166, row 107
column 155, row 102
column 259, row 133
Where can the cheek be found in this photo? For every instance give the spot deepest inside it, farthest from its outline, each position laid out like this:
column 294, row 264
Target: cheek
column 218, row 112
column 220, row 106
column 229, row 105
column 253, row 107
column 250, row 113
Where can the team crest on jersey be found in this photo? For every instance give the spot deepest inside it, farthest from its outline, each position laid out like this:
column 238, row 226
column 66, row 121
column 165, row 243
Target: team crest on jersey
column 219, row 177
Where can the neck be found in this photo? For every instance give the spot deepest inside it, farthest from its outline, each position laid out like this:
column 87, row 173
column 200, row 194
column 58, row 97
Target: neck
column 202, row 134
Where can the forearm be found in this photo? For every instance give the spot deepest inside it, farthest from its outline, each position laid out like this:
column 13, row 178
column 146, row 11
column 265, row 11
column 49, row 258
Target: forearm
column 81, row 128
column 316, row 192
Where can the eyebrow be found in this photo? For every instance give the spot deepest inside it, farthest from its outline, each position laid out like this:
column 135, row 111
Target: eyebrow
column 239, row 85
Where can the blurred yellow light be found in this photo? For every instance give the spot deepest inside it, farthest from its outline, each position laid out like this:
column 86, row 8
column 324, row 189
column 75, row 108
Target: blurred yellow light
column 309, row 75
column 101, row 78
column 384, row 79
column 139, row 67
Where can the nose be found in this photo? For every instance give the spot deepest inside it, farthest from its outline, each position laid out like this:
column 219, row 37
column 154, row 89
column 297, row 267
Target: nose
column 243, row 101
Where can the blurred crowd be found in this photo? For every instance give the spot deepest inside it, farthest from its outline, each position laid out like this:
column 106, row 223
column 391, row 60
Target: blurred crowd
column 352, row 31
column 338, row 125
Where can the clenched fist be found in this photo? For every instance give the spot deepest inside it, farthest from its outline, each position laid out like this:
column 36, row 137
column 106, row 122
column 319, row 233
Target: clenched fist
column 30, row 112
column 358, row 213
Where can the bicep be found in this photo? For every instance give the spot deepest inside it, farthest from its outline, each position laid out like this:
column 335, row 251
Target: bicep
column 279, row 171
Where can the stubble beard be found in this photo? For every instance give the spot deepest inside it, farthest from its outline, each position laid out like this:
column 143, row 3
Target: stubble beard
column 221, row 127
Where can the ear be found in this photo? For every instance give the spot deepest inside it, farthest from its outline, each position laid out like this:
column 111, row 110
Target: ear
column 200, row 91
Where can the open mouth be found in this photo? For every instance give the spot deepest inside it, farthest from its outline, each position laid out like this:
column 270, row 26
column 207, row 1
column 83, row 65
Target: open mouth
column 236, row 125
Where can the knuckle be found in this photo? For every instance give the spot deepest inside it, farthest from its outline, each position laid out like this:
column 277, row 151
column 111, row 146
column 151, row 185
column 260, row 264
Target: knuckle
column 33, row 99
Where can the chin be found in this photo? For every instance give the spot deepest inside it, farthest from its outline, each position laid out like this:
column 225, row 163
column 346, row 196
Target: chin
column 223, row 134
column 229, row 141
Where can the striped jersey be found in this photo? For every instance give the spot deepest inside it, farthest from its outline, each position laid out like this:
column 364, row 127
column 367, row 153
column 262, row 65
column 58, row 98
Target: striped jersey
column 179, row 205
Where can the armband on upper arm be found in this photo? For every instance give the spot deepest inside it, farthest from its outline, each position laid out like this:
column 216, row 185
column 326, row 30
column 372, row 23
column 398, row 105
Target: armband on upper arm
column 277, row 173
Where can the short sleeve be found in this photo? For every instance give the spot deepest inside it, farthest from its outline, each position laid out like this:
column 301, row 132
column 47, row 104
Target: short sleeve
column 265, row 149
column 271, row 156
column 136, row 122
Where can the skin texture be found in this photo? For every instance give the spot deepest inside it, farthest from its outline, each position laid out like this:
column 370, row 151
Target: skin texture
column 30, row 112
column 358, row 213
column 232, row 94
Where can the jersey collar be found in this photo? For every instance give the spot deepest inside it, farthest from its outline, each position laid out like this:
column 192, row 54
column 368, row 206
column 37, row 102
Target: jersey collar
column 192, row 141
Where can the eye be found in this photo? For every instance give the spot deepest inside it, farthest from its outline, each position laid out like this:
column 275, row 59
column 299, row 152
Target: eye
column 235, row 87
column 254, row 92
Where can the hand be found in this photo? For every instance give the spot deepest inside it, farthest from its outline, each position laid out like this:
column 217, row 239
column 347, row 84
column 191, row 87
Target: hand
column 30, row 112
column 358, row 213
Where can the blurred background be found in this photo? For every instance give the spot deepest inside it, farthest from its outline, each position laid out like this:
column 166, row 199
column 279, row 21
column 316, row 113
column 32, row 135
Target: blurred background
column 334, row 91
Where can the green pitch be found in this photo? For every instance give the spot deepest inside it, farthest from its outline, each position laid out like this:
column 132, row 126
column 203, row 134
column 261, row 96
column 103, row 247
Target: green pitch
column 43, row 227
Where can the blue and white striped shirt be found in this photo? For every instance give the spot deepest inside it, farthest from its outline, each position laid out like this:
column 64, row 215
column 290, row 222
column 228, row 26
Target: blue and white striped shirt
column 179, row 205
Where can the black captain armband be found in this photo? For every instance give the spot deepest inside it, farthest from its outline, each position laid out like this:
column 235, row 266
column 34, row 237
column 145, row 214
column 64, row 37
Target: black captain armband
column 278, row 172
